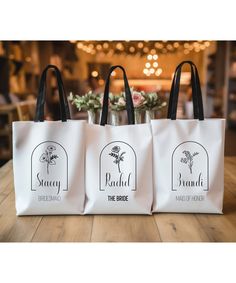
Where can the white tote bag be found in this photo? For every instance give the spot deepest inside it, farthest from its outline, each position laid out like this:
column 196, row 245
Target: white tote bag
column 118, row 163
column 48, row 160
column 188, row 156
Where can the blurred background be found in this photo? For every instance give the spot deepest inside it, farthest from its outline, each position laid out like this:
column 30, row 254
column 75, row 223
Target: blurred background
column 85, row 64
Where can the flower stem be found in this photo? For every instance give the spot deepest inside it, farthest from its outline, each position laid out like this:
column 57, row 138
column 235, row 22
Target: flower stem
column 119, row 167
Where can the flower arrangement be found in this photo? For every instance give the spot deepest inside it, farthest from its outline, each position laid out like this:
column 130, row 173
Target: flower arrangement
column 146, row 101
column 138, row 99
column 153, row 101
column 117, row 102
column 89, row 101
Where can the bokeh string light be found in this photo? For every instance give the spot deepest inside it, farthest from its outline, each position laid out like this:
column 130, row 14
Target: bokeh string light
column 151, row 66
column 140, row 48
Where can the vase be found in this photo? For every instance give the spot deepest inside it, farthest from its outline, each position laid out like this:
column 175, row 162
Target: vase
column 98, row 116
column 91, row 117
column 137, row 117
column 114, row 118
column 149, row 115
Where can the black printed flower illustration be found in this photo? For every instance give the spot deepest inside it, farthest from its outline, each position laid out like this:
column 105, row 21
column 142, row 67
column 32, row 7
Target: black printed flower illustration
column 49, row 157
column 188, row 159
column 115, row 152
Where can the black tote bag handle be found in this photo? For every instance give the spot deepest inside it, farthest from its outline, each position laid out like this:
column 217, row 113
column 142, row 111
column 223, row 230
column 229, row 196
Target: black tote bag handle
column 196, row 92
column 129, row 101
column 64, row 108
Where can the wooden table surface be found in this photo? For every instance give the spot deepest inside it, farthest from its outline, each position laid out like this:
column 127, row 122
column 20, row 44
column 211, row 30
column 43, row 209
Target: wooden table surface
column 118, row 228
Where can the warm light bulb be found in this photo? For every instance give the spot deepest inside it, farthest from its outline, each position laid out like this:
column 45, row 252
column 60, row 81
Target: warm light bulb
column 159, row 70
column 155, row 57
column 153, row 51
column 149, row 57
column 131, row 49
column 140, row 45
column 148, row 65
column 79, row 45
column 176, row 45
column 152, row 71
column 105, row 45
column 101, row 82
column 186, row 45
column 94, row 74
column 155, row 64
column 159, row 45
column 186, row 51
column 119, row 46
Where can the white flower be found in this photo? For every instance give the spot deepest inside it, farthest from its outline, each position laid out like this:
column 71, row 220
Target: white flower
column 121, row 101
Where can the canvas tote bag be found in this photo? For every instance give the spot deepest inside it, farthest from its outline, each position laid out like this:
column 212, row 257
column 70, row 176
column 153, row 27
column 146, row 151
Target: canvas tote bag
column 48, row 160
column 118, row 163
column 188, row 156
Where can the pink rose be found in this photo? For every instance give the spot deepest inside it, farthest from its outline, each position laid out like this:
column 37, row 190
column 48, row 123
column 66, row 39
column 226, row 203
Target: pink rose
column 138, row 99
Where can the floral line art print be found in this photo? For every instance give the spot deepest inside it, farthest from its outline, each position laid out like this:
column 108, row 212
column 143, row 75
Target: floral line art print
column 115, row 152
column 49, row 157
column 189, row 159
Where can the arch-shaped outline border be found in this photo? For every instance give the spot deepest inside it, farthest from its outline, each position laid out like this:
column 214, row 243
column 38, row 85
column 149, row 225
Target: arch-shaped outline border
column 207, row 164
column 100, row 164
column 66, row 162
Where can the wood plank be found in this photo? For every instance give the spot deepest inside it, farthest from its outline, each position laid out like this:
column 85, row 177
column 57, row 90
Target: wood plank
column 230, row 160
column 218, row 228
column 124, row 228
column 6, row 168
column 230, row 182
column 6, row 177
column 6, row 181
column 6, row 191
column 180, row 228
column 23, row 229
column 229, row 207
column 64, row 229
column 230, row 174
column 13, row 228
